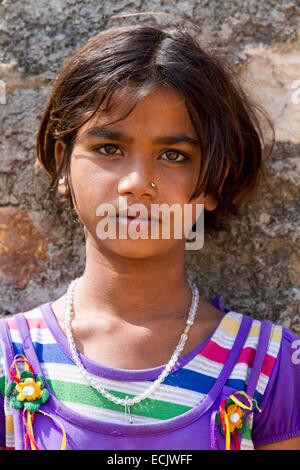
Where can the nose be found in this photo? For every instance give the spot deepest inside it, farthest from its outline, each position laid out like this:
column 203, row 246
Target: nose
column 137, row 183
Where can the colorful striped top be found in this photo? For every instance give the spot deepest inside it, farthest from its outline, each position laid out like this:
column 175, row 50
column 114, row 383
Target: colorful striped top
column 242, row 354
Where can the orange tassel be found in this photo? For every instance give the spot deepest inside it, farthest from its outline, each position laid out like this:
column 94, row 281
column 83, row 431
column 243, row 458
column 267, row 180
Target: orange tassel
column 16, row 400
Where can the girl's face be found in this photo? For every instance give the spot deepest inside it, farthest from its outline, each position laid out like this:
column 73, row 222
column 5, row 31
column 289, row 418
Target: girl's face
column 110, row 169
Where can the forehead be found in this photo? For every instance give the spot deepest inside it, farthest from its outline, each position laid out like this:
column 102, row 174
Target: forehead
column 161, row 110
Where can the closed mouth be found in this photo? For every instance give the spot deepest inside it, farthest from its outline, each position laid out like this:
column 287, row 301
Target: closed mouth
column 134, row 217
column 137, row 217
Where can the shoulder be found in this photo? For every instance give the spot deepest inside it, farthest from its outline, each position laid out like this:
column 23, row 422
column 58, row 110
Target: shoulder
column 290, row 348
column 34, row 319
column 288, row 360
column 272, row 334
column 291, row 341
column 12, row 332
column 269, row 359
column 280, row 416
column 257, row 352
column 275, row 341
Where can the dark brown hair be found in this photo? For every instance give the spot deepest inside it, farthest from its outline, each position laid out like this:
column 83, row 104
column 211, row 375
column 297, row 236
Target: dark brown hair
column 144, row 56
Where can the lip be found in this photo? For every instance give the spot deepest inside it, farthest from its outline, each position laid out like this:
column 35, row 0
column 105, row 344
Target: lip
column 138, row 219
column 133, row 217
column 141, row 222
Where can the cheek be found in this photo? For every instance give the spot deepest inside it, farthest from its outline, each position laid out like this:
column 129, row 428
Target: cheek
column 196, row 206
column 179, row 184
column 90, row 188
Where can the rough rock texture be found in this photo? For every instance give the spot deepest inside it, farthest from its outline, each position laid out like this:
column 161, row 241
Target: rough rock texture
column 257, row 265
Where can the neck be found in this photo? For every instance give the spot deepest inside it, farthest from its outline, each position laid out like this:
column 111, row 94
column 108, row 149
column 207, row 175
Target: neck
column 134, row 290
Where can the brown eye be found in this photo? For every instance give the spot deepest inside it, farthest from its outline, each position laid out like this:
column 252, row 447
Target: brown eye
column 175, row 155
column 109, row 149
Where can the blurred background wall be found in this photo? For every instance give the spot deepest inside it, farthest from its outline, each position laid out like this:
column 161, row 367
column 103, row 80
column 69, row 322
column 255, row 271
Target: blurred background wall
column 256, row 267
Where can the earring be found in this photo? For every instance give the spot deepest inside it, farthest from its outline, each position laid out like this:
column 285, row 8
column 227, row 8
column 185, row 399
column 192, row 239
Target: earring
column 152, row 184
column 62, row 187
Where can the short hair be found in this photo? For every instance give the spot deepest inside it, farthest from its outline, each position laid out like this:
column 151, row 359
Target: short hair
column 144, row 56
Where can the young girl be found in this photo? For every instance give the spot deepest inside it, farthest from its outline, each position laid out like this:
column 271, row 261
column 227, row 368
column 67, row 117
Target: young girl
column 130, row 357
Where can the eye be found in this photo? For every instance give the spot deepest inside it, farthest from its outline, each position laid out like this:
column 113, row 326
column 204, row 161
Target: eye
column 109, row 148
column 176, row 154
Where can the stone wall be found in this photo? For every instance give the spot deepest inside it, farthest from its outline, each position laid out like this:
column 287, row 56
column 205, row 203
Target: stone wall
column 257, row 265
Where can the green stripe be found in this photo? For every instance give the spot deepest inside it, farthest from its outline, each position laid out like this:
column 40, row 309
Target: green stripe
column 247, row 434
column 2, row 385
column 83, row 394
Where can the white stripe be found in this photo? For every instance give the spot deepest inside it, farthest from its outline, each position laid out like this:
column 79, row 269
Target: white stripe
column 273, row 348
column 177, row 395
column 247, row 444
column 204, row 366
column 112, row 416
column 262, row 383
column 222, row 339
column 10, row 440
column 33, row 314
column 237, row 316
column 8, row 409
column 2, row 363
column 38, row 335
column 251, row 342
column 240, row 372
column 41, row 335
column 45, row 337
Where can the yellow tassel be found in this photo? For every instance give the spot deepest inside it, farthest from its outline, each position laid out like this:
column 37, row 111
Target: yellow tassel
column 242, row 405
column 29, row 422
column 31, row 433
column 227, row 431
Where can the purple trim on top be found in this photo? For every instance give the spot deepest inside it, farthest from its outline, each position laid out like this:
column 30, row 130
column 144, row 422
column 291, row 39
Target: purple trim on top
column 9, row 358
column 114, row 373
column 182, row 420
column 218, row 302
column 261, row 351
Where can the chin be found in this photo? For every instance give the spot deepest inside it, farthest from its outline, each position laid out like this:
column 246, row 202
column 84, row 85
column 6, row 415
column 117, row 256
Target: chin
column 138, row 249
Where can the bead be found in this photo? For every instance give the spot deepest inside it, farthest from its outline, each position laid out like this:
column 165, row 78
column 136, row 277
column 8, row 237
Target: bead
column 174, row 359
column 28, row 391
column 234, row 418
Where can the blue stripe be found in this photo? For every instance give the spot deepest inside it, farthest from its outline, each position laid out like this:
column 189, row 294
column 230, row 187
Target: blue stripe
column 240, row 385
column 18, row 348
column 258, row 396
column 191, row 380
column 46, row 353
column 237, row 384
column 183, row 378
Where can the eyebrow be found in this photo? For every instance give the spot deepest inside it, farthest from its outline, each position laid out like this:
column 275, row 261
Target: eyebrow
column 98, row 132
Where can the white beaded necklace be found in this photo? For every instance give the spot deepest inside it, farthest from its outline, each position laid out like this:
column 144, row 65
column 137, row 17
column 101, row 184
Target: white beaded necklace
column 127, row 402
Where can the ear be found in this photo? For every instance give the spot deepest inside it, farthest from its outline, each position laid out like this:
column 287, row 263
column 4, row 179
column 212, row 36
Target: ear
column 59, row 150
column 210, row 203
